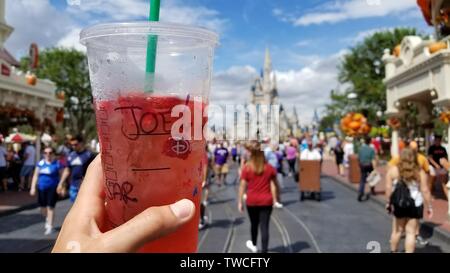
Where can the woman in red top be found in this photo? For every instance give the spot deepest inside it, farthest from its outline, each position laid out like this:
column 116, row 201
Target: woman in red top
column 256, row 179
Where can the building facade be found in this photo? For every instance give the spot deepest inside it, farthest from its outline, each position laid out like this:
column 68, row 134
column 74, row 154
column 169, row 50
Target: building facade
column 23, row 99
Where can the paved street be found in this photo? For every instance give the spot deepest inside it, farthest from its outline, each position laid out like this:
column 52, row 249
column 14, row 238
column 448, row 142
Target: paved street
column 336, row 224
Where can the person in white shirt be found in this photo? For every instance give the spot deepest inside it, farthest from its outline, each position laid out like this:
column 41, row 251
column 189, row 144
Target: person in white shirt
column 310, row 153
column 348, row 150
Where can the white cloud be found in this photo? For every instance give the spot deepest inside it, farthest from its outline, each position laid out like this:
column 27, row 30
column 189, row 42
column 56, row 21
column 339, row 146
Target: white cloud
column 39, row 21
column 35, row 21
column 277, row 12
column 360, row 36
column 346, row 10
column 304, row 43
column 171, row 11
column 71, row 40
column 233, row 85
column 307, row 88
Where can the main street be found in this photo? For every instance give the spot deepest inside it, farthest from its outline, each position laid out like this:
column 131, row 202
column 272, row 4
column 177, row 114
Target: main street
column 336, row 224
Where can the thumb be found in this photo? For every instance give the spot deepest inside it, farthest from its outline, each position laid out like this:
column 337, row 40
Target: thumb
column 149, row 225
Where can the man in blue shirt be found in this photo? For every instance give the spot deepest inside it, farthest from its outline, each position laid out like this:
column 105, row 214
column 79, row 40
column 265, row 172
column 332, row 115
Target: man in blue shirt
column 77, row 163
column 367, row 163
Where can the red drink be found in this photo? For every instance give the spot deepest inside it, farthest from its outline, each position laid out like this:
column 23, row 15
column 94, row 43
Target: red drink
column 145, row 166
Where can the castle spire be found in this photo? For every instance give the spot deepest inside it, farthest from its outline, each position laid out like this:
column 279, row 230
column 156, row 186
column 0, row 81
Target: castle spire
column 267, row 61
column 267, row 80
column 316, row 118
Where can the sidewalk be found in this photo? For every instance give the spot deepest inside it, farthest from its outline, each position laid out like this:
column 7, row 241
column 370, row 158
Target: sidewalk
column 13, row 201
column 440, row 217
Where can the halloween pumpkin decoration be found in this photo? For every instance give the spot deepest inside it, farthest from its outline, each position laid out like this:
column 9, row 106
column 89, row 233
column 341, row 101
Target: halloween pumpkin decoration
column 394, row 123
column 397, row 49
column 437, row 46
column 31, row 78
column 445, row 117
column 353, row 124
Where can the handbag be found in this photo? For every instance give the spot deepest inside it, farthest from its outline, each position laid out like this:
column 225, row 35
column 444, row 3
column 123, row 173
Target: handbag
column 374, row 178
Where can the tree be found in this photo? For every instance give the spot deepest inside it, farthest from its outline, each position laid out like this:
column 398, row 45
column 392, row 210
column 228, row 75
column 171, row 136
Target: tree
column 334, row 110
column 362, row 71
column 68, row 69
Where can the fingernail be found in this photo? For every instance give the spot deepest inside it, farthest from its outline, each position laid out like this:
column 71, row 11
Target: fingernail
column 182, row 209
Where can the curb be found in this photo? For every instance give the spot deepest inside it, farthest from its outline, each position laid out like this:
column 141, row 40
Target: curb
column 429, row 228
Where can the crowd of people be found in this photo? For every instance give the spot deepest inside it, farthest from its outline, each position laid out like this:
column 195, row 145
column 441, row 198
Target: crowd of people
column 261, row 167
column 58, row 172
column 409, row 183
column 261, row 171
column 16, row 167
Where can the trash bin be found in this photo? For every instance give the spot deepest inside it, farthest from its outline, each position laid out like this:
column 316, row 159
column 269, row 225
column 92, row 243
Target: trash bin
column 309, row 179
column 354, row 171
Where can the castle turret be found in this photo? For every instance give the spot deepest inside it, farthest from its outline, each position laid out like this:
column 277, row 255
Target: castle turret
column 267, row 71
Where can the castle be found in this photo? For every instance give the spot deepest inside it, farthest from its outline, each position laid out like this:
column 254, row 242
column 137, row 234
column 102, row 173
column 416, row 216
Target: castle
column 264, row 91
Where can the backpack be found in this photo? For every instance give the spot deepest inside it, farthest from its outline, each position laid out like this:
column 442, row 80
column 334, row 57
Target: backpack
column 402, row 201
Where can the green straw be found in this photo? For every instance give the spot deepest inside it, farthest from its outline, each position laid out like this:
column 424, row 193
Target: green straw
column 152, row 43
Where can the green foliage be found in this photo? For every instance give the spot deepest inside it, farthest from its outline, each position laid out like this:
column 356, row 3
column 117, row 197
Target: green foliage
column 362, row 71
column 68, row 69
column 379, row 131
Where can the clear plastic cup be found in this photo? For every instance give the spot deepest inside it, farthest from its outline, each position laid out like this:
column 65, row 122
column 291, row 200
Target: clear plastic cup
column 144, row 163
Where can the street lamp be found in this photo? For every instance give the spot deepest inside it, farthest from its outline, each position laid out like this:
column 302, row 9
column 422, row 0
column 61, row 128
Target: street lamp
column 352, row 96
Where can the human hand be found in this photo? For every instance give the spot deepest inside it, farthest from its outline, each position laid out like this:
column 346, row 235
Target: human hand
column 444, row 162
column 240, row 207
column 33, row 191
column 81, row 231
column 430, row 213
column 388, row 208
column 60, row 190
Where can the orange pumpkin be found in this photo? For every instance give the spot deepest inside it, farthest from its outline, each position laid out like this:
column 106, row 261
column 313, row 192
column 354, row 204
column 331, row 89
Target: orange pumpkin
column 396, row 52
column 346, row 121
column 358, row 117
column 365, row 128
column 354, row 125
column 60, row 95
column 31, row 79
column 394, row 122
column 445, row 117
column 437, row 46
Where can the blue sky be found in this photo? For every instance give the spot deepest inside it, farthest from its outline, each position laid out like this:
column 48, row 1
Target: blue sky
column 307, row 38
